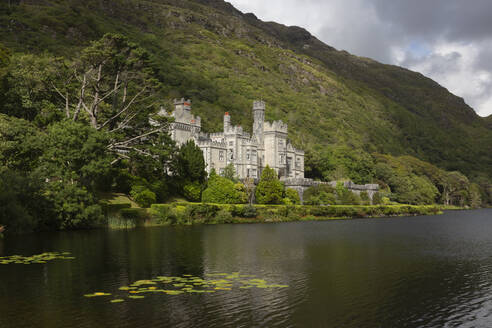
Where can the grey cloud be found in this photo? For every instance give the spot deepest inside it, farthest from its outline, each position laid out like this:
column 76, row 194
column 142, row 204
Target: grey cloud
column 452, row 19
column 386, row 29
column 439, row 64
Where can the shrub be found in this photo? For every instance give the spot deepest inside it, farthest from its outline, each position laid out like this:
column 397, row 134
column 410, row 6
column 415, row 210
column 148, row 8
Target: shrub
column 203, row 211
column 377, row 199
column 240, row 193
column 230, row 173
column 161, row 190
column 123, row 181
column 74, row 206
column 163, row 214
column 223, row 191
column 293, row 196
column 313, row 200
column 365, row 200
column 192, row 192
column 188, row 213
column 249, row 212
column 145, row 198
column 223, row 216
column 327, row 198
column 346, row 197
column 320, row 195
column 182, row 214
column 269, row 189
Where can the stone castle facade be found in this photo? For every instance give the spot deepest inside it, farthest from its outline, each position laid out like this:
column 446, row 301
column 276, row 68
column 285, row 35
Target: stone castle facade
column 249, row 153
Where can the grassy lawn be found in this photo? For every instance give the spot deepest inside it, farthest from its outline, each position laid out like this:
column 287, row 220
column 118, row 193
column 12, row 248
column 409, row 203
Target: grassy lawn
column 117, row 198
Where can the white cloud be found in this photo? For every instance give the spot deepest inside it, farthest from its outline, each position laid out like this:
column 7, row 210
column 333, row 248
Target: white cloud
column 454, row 50
column 456, row 66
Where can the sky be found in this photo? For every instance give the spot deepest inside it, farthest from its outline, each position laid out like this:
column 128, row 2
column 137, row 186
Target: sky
column 449, row 41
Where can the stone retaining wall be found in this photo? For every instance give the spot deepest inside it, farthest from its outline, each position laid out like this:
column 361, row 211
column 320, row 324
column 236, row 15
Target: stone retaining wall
column 302, row 184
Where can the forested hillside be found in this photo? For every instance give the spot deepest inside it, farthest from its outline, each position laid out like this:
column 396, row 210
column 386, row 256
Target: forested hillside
column 356, row 118
column 223, row 60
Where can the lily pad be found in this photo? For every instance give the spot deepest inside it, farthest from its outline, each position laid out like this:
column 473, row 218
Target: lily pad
column 35, row 259
column 216, row 282
column 136, row 297
column 173, row 292
column 119, row 300
column 97, row 294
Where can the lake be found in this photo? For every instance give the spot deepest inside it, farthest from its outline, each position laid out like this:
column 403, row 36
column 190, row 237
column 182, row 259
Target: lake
column 401, row 272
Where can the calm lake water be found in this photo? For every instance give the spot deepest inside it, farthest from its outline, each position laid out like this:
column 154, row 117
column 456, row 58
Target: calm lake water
column 402, row 272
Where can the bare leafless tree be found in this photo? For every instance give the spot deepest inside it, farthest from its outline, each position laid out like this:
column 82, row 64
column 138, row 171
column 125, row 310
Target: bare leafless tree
column 111, row 86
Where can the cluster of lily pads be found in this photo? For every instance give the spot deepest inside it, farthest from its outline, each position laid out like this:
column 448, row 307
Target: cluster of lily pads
column 189, row 284
column 35, row 259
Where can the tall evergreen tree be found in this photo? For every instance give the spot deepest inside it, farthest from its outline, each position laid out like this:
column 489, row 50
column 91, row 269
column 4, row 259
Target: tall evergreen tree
column 189, row 170
column 270, row 189
column 189, row 164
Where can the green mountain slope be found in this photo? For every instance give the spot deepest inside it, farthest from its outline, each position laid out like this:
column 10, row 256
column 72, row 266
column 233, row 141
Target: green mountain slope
column 223, row 60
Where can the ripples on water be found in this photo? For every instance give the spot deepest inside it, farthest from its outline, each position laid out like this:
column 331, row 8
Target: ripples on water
column 410, row 272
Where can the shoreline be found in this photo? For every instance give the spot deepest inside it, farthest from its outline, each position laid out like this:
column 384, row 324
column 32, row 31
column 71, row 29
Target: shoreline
column 124, row 217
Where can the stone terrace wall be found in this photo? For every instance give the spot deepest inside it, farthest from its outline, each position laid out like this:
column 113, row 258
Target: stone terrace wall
column 302, row 184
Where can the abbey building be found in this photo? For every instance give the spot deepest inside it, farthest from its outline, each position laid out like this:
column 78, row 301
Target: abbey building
column 249, row 153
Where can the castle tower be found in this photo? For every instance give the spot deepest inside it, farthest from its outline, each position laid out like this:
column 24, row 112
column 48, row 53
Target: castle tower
column 227, row 122
column 258, row 119
column 182, row 105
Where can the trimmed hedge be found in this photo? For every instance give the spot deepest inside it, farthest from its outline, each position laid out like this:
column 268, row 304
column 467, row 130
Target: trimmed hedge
column 189, row 213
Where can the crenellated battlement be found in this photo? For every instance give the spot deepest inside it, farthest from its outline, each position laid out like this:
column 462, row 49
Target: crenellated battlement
column 237, row 129
column 352, row 186
column 210, row 143
column 248, row 152
column 185, row 127
column 276, row 126
column 203, row 136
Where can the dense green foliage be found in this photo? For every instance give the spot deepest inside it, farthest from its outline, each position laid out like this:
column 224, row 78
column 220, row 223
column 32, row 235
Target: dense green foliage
column 221, row 190
column 318, row 195
column 22, row 203
column 291, row 197
column 336, row 163
column 327, row 195
column 142, row 196
column 404, row 179
column 55, row 158
column 270, row 189
column 230, row 173
column 188, row 213
column 189, row 167
column 413, row 181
